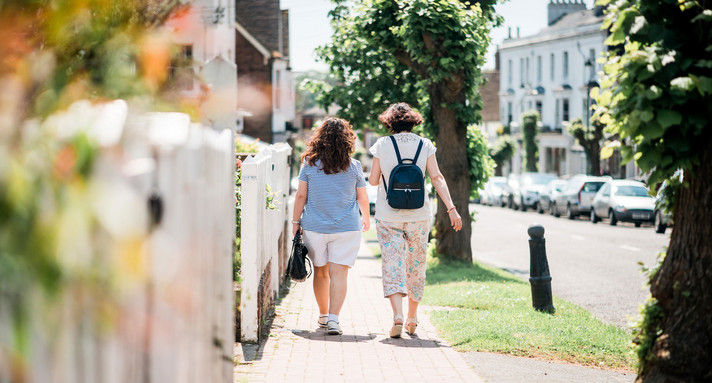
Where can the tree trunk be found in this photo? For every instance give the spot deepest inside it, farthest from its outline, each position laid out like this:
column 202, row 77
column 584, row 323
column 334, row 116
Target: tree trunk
column 451, row 140
column 683, row 287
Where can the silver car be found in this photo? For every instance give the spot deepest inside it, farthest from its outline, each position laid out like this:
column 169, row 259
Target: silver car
column 623, row 201
column 547, row 197
column 576, row 198
column 492, row 194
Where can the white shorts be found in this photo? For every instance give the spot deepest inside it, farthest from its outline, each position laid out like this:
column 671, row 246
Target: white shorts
column 340, row 248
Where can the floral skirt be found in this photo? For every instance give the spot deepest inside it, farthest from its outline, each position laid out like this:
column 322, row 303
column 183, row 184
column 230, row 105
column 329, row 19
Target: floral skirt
column 403, row 252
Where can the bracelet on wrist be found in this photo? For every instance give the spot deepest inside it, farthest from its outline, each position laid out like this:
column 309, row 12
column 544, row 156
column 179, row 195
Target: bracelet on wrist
column 451, row 209
column 297, row 222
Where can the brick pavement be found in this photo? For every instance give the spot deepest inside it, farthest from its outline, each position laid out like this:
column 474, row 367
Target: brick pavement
column 297, row 350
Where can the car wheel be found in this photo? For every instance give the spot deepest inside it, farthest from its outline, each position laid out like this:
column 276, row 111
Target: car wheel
column 539, row 209
column 510, row 203
column 660, row 227
column 594, row 217
column 555, row 211
column 612, row 219
column 569, row 212
column 637, row 223
column 522, row 206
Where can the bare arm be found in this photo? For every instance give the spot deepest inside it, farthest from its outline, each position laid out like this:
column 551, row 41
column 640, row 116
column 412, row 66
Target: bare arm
column 375, row 172
column 300, row 199
column 440, row 185
column 362, row 199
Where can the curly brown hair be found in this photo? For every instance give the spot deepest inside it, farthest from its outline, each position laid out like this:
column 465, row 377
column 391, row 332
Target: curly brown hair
column 400, row 117
column 333, row 145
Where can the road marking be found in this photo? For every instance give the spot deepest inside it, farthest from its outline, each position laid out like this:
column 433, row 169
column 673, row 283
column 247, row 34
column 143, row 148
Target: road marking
column 579, row 237
column 631, row 248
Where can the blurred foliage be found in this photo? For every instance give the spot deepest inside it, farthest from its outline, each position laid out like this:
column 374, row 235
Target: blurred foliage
column 58, row 229
column 481, row 163
column 305, row 97
column 502, row 151
column 589, row 137
column 530, row 131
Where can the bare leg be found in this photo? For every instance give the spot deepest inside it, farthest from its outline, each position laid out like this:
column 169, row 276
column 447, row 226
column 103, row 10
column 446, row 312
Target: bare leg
column 321, row 287
column 338, row 275
column 412, row 308
column 397, row 306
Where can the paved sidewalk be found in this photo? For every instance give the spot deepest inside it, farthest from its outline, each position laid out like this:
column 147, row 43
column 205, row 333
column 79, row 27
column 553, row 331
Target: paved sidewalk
column 298, row 351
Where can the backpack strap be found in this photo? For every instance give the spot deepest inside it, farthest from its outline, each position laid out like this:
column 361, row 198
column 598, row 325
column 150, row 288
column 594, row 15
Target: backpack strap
column 417, row 153
column 395, row 146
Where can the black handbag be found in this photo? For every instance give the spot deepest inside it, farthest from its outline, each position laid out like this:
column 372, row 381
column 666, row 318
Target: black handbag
column 297, row 266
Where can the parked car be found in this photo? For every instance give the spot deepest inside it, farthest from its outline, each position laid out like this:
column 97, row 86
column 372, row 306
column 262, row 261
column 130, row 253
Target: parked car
column 623, row 201
column 493, row 191
column 547, row 196
column 527, row 194
column 576, row 197
column 508, row 190
column 662, row 213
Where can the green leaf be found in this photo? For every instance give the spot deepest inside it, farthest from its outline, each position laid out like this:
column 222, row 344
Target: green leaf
column 609, row 148
column 704, row 84
column 647, row 115
column 667, row 118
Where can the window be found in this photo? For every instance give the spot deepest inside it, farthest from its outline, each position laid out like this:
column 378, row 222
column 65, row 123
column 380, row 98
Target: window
column 565, row 109
column 181, row 70
column 539, row 108
column 565, row 64
column 552, row 64
column 557, row 116
column 521, row 73
column 509, row 113
column 509, row 73
column 527, row 69
column 538, row 69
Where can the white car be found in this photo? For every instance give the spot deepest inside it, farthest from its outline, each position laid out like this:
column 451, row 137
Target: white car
column 624, row 201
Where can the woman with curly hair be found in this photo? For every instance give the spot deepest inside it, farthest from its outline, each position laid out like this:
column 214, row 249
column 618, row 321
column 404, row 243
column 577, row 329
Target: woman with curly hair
column 331, row 191
column 403, row 233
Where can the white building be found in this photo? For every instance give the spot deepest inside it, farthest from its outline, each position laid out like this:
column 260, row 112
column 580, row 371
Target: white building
column 550, row 72
column 205, row 36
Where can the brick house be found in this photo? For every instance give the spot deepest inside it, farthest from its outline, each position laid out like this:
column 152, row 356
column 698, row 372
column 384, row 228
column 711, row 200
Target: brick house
column 265, row 85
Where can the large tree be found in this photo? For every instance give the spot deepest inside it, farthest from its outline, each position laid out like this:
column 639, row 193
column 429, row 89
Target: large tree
column 657, row 92
column 427, row 53
column 589, row 137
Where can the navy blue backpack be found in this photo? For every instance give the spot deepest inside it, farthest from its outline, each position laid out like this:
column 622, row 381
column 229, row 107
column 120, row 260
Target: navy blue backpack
column 407, row 183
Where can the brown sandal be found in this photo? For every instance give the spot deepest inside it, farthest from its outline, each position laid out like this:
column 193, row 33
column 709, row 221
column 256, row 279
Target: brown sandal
column 397, row 328
column 410, row 326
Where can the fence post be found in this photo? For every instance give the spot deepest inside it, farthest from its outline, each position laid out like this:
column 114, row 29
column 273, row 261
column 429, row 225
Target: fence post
column 251, row 260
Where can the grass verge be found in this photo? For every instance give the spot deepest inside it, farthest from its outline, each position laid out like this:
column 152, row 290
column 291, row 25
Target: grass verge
column 372, row 241
column 490, row 310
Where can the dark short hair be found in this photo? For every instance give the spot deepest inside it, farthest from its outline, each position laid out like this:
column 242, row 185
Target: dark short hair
column 400, row 117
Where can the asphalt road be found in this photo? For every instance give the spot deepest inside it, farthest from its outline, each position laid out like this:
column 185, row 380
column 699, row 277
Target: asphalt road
column 594, row 266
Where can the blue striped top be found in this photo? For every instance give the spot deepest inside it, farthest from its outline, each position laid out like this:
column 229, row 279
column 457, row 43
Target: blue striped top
column 331, row 198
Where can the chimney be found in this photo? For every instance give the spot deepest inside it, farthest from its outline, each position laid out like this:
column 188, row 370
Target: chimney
column 560, row 8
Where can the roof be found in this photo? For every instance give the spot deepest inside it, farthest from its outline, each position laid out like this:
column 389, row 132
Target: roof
column 572, row 24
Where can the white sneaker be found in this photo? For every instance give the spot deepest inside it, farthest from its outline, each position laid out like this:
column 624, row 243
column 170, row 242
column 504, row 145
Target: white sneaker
column 334, row 328
column 322, row 321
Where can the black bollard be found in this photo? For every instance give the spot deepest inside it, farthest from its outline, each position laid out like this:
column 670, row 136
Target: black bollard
column 539, row 277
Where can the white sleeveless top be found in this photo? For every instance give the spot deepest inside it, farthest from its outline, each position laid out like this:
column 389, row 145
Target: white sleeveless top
column 385, row 152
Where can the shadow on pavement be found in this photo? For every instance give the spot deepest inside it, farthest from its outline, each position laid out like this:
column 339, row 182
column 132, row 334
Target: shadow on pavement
column 320, row 335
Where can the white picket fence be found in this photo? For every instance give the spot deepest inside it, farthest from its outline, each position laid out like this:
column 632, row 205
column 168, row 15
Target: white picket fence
column 265, row 233
column 172, row 320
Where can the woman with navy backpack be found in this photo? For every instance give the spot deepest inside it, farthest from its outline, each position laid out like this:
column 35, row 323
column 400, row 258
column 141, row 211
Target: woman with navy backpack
column 403, row 210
